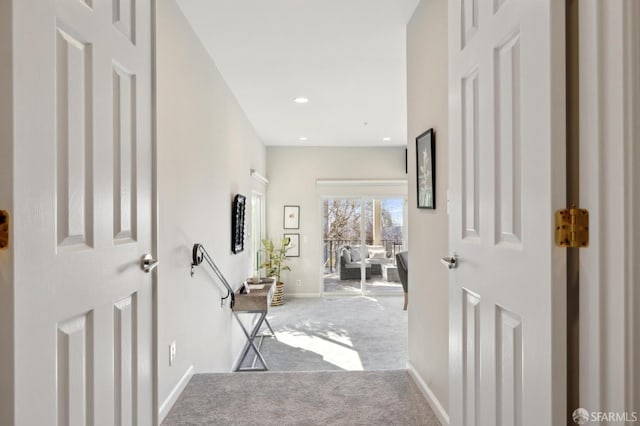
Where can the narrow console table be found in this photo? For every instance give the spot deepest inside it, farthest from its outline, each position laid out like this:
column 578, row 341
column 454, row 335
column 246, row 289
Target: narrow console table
column 257, row 301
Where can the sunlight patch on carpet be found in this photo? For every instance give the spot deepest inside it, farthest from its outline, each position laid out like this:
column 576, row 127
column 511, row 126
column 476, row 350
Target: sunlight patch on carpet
column 335, row 350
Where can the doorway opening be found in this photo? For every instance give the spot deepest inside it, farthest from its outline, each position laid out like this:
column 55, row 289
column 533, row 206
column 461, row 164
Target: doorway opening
column 258, row 230
column 366, row 331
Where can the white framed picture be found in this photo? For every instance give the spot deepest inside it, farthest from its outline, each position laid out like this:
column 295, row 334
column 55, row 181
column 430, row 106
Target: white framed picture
column 291, row 217
column 293, row 249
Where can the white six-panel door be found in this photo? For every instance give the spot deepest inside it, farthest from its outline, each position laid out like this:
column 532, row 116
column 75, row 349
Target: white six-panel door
column 610, row 189
column 507, row 177
column 82, row 173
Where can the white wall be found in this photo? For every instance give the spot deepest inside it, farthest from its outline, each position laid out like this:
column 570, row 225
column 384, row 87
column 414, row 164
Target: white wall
column 205, row 148
column 293, row 173
column 428, row 280
column 6, row 203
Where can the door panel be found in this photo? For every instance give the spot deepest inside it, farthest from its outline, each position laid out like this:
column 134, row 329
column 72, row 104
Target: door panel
column 609, row 187
column 508, row 367
column 343, row 229
column 74, row 140
column 508, row 157
column 124, row 151
column 507, row 300
column 471, row 356
column 83, row 212
column 75, row 370
column 470, row 157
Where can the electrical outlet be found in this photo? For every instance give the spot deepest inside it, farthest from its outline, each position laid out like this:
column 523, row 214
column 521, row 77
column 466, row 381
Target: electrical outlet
column 299, row 283
column 172, row 352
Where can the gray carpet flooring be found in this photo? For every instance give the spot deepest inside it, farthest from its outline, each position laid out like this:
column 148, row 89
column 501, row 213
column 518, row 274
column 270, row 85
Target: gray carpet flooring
column 337, row 333
column 302, row 398
column 336, row 361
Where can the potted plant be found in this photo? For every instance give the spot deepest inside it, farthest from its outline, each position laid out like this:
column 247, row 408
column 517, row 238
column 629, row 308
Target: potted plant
column 275, row 264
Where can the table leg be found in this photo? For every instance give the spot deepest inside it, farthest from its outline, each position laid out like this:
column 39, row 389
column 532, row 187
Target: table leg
column 273, row 334
column 250, row 344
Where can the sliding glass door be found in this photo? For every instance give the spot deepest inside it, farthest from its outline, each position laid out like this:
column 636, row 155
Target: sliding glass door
column 342, row 232
column 385, row 237
column 361, row 237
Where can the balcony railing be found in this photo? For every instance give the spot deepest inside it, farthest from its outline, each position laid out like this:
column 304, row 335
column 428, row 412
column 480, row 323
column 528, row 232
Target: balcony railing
column 331, row 247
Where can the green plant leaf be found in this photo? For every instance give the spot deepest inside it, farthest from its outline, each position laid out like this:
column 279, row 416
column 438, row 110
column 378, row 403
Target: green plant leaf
column 276, row 257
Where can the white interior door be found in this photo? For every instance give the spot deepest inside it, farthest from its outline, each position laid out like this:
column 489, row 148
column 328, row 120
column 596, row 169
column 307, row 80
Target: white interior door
column 610, row 190
column 507, row 177
column 83, row 214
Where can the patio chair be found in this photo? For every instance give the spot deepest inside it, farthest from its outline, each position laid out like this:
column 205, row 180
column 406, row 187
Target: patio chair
column 402, row 260
column 350, row 270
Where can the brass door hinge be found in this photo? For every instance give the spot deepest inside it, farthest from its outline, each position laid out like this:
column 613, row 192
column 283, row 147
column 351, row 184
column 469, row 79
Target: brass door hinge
column 4, row 229
column 572, row 227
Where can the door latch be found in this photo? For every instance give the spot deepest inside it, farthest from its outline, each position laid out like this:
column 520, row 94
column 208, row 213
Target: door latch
column 451, row 262
column 148, row 263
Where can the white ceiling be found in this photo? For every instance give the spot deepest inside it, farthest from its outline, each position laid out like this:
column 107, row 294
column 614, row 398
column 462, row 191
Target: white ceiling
column 346, row 56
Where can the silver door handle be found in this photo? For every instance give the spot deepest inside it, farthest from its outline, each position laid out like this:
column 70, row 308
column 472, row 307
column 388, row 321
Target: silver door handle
column 148, row 263
column 450, row 262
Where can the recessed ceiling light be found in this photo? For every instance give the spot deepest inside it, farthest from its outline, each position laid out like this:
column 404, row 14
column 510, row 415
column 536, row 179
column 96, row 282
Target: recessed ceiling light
column 301, row 100
column 302, row 138
column 386, row 139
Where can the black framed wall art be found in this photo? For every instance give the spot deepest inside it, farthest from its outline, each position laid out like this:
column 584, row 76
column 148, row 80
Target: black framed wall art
column 237, row 223
column 426, row 169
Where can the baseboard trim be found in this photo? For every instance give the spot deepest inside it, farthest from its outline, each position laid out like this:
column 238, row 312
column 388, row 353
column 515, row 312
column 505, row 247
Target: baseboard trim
column 437, row 408
column 164, row 409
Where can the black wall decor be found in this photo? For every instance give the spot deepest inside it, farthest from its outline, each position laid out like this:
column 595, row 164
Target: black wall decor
column 406, row 161
column 237, row 223
column 426, row 169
